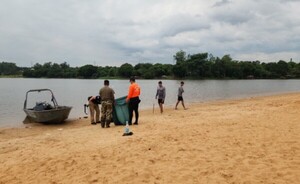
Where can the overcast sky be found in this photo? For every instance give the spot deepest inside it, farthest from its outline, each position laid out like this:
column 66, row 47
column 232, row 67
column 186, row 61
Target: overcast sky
column 112, row 32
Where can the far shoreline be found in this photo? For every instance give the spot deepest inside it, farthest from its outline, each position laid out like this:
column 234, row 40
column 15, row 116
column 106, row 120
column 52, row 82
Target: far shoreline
column 163, row 78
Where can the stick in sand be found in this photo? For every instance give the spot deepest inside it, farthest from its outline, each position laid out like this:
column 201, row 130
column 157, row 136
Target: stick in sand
column 153, row 109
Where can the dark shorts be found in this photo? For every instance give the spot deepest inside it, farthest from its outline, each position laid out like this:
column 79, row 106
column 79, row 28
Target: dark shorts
column 180, row 98
column 161, row 101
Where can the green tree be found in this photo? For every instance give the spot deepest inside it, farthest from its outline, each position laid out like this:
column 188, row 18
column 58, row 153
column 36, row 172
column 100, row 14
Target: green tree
column 197, row 65
column 277, row 70
column 55, row 71
column 158, row 70
column 295, row 71
column 102, row 71
column 149, row 74
column 8, row 68
column 180, row 70
column 282, row 68
column 180, row 57
column 141, row 69
column 126, row 70
column 113, row 71
column 87, row 72
column 38, row 71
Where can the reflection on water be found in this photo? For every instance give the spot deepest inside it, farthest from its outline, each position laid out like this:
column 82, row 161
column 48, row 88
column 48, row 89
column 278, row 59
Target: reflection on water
column 74, row 92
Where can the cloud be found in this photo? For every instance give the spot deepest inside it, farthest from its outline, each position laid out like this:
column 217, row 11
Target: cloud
column 113, row 32
column 221, row 3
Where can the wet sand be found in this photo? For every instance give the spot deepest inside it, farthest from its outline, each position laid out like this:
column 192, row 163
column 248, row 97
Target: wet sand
column 252, row 140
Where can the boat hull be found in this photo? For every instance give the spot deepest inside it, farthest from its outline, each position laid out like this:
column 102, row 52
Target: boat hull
column 56, row 115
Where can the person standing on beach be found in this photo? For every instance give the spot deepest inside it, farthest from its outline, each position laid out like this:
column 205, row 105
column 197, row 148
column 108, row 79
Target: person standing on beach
column 93, row 103
column 180, row 98
column 107, row 99
column 133, row 100
column 160, row 95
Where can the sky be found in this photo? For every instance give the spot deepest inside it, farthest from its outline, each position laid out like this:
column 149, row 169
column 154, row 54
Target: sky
column 114, row 32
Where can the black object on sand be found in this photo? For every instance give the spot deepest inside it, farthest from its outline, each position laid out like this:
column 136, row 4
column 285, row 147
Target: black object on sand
column 128, row 134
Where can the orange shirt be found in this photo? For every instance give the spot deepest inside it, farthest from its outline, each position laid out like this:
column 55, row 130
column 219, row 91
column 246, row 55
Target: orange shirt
column 134, row 91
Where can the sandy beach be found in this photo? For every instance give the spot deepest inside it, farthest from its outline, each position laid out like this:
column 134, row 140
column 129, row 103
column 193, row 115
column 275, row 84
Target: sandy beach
column 253, row 140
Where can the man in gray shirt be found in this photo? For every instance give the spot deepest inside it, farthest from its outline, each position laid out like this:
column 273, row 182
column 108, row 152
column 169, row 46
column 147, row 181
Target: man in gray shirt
column 161, row 95
column 180, row 98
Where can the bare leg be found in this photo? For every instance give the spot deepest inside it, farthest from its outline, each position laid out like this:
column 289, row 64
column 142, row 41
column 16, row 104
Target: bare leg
column 161, row 107
column 183, row 104
column 176, row 105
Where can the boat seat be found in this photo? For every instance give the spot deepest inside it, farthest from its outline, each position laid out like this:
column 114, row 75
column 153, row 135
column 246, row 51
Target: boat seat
column 40, row 106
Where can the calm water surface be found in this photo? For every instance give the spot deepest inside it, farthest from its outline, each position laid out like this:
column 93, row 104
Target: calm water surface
column 74, row 92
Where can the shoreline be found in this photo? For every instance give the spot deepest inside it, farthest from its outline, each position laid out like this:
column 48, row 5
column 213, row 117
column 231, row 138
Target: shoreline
column 248, row 140
column 148, row 108
column 82, row 121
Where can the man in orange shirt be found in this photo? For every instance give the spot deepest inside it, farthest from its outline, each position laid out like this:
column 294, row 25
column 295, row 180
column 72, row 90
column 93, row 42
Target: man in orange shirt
column 133, row 101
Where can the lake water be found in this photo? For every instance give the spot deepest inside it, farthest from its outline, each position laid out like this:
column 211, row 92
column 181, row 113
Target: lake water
column 74, row 92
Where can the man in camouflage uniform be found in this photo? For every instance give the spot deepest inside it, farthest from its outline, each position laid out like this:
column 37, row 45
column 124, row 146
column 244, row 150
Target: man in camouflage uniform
column 107, row 99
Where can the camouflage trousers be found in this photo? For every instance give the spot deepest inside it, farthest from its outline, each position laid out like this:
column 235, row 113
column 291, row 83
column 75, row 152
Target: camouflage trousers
column 106, row 111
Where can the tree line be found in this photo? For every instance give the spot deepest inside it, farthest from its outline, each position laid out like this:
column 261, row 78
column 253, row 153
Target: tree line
column 195, row 66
